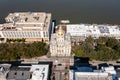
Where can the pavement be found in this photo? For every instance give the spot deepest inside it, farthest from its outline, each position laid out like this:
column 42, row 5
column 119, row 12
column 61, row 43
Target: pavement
column 61, row 63
column 95, row 63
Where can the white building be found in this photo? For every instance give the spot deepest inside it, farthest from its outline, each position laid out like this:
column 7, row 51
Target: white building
column 89, row 75
column 79, row 32
column 4, row 69
column 110, row 70
column 3, row 73
column 60, row 43
column 82, row 73
column 33, row 26
column 39, row 72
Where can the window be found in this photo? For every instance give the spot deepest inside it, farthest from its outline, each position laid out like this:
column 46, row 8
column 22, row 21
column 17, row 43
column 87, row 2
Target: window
column 39, row 34
column 37, row 69
column 15, row 73
column 44, row 34
column 22, row 74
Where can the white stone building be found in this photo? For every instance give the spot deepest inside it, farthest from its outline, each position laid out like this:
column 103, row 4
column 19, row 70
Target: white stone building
column 79, row 32
column 33, row 26
column 60, row 43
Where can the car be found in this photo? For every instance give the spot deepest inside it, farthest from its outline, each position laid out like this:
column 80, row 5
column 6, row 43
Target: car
column 117, row 61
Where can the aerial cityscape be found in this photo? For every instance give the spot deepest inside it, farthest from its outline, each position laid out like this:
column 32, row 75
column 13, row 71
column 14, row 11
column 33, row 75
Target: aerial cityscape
column 37, row 45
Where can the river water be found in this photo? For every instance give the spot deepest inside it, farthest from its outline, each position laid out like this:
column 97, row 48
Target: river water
column 77, row 11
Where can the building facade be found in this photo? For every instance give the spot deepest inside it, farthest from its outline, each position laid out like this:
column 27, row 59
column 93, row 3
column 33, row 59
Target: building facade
column 88, row 73
column 79, row 32
column 60, row 43
column 32, row 26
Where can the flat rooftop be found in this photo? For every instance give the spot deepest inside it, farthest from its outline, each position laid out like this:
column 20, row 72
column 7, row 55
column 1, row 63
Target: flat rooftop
column 88, row 29
column 39, row 72
column 4, row 69
column 20, row 21
column 89, row 75
column 38, row 17
column 19, row 74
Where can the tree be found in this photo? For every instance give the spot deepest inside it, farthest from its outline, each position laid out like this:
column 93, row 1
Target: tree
column 112, row 42
column 88, row 48
column 78, row 51
column 101, row 40
column 117, row 47
column 15, row 51
column 89, row 40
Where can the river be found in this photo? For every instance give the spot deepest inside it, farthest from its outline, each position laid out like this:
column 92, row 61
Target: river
column 77, row 11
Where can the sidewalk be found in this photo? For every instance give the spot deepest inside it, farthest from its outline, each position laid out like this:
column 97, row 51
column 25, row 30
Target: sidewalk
column 95, row 63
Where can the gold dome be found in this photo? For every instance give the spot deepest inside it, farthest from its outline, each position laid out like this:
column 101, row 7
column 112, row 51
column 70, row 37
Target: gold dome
column 60, row 32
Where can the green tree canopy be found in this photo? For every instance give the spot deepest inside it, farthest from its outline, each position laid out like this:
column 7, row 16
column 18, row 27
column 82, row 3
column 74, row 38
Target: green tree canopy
column 14, row 51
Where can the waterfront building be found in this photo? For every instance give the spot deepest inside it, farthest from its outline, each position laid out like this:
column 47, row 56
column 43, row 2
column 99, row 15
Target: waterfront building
column 60, row 43
column 32, row 26
column 79, row 32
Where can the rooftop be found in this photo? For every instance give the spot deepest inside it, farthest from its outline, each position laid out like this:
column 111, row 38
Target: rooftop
column 88, row 29
column 60, row 33
column 39, row 72
column 27, row 21
column 4, row 69
column 28, row 17
column 19, row 74
column 91, row 76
